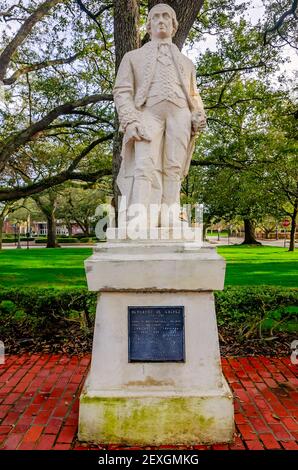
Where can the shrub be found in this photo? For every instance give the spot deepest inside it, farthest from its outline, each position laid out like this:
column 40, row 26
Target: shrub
column 87, row 240
column 12, row 240
column 79, row 235
column 58, row 239
column 253, row 309
column 41, row 240
column 43, row 308
column 83, row 235
column 66, row 316
column 67, row 240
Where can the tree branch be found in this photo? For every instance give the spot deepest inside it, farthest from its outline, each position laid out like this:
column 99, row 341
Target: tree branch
column 23, row 32
column 9, row 13
column 222, row 92
column 88, row 149
column 68, row 174
column 89, row 13
column 203, row 162
column 91, row 177
column 35, row 188
column 106, row 7
column 42, row 65
column 233, row 69
column 277, row 25
column 14, row 142
column 94, row 18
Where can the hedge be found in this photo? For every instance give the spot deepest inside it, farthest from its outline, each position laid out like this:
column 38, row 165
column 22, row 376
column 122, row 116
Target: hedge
column 83, row 235
column 22, row 239
column 248, row 309
column 87, row 240
column 58, row 239
column 42, row 308
column 67, row 240
column 253, row 309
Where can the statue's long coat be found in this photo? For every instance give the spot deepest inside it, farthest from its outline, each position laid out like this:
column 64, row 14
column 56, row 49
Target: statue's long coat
column 132, row 84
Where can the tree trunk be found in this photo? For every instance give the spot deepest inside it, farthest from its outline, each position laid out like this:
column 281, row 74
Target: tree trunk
column 117, row 145
column 48, row 208
column 126, row 36
column 51, row 223
column 69, row 228
column 293, row 226
column 83, row 226
column 1, row 231
column 249, row 233
column 87, row 228
column 267, row 232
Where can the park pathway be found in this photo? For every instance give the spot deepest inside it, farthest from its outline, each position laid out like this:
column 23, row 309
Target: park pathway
column 39, row 403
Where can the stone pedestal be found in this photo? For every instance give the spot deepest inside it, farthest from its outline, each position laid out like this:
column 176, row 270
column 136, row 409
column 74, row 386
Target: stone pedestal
column 154, row 403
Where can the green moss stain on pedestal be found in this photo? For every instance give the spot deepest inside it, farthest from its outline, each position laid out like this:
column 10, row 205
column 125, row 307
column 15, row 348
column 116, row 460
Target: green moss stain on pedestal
column 146, row 420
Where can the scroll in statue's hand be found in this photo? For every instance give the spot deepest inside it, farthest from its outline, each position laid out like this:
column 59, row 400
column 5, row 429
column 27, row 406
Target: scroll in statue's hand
column 136, row 132
column 198, row 123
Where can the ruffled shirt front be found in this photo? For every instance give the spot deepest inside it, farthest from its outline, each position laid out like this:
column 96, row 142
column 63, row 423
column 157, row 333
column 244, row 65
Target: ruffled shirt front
column 166, row 85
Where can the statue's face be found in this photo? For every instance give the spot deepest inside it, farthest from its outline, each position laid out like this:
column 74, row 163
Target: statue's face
column 161, row 24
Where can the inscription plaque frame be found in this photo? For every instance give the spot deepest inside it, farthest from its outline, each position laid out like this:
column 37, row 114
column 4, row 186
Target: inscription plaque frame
column 156, row 333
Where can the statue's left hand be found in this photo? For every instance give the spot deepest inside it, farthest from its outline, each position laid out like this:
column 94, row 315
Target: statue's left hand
column 136, row 132
column 198, row 123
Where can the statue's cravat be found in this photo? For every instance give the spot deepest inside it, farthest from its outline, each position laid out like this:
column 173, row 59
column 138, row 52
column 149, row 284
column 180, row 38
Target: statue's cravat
column 164, row 53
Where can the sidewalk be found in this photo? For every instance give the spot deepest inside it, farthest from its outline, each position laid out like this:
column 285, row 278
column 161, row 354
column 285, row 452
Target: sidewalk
column 237, row 241
column 211, row 240
column 39, row 403
column 12, row 246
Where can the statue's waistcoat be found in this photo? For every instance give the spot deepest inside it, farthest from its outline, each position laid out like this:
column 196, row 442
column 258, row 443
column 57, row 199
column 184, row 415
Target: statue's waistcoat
column 149, row 62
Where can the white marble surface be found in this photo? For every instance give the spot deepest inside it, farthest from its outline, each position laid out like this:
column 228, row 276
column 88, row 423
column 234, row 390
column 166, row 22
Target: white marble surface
column 110, row 369
column 154, row 267
column 160, row 112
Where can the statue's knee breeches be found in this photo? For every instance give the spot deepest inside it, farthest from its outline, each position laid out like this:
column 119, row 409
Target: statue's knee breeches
column 177, row 138
column 146, row 159
column 149, row 154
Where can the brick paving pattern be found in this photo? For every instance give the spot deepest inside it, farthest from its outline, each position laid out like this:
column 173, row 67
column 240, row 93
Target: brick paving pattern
column 39, row 403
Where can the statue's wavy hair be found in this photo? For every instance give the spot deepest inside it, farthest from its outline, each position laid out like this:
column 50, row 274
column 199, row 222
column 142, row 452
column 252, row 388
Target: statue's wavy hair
column 171, row 11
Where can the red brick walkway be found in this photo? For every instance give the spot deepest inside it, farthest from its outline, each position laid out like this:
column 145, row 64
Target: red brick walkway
column 39, row 402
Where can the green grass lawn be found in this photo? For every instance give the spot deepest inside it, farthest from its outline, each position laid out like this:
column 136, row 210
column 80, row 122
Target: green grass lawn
column 63, row 267
column 251, row 266
column 43, row 267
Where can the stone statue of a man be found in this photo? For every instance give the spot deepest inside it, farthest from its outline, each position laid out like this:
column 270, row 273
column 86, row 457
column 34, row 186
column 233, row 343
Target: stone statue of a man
column 160, row 112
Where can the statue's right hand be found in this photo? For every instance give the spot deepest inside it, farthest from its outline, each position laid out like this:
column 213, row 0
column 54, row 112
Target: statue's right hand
column 135, row 131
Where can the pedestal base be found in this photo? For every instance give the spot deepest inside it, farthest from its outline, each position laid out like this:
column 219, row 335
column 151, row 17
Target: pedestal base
column 149, row 402
column 156, row 418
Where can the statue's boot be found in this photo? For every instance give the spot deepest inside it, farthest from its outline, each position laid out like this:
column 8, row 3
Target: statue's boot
column 170, row 208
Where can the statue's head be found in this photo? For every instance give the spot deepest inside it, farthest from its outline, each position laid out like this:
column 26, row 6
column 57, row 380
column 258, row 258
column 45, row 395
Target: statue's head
column 162, row 22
